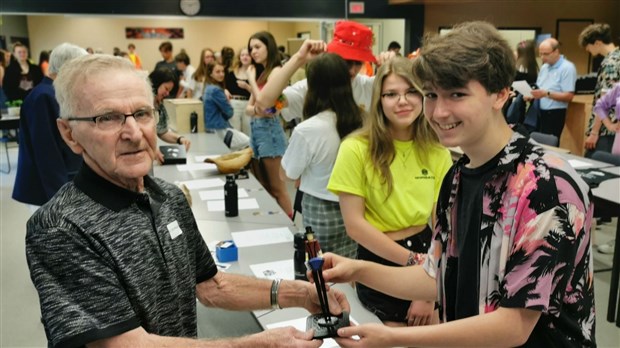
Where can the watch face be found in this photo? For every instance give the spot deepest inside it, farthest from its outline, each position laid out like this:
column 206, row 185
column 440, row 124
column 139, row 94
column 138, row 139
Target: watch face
column 190, row 7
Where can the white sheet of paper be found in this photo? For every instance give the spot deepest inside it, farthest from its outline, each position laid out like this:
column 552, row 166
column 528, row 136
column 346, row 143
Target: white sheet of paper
column 202, row 158
column 203, row 183
column 272, row 270
column 577, row 164
column 523, row 87
column 197, row 166
column 244, row 204
column 300, row 324
column 262, row 237
column 212, row 195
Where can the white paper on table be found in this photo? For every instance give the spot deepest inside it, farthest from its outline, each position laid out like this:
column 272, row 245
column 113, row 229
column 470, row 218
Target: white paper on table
column 244, row 204
column 262, row 237
column 202, row 158
column 272, row 270
column 577, row 164
column 300, row 324
column 212, row 195
column 203, row 183
column 523, row 87
column 197, row 166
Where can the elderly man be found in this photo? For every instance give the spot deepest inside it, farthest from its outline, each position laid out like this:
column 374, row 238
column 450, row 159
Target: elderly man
column 556, row 87
column 116, row 256
column 45, row 162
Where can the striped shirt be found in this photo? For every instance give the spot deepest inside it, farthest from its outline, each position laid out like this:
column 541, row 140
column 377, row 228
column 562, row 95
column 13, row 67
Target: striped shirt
column 106, row 260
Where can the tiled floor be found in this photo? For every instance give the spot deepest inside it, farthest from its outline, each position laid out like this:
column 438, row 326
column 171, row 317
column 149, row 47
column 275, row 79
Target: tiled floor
column 19, row 318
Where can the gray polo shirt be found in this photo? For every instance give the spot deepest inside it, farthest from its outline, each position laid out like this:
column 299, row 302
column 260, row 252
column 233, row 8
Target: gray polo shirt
column 106, row 260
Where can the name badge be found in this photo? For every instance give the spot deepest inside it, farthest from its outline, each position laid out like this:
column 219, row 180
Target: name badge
column 174, row 229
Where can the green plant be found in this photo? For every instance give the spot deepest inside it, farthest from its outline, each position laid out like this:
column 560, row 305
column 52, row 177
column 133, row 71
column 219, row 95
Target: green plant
column 14, row 103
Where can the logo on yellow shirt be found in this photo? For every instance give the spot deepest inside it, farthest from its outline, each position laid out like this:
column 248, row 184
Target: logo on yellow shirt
column 425, row 175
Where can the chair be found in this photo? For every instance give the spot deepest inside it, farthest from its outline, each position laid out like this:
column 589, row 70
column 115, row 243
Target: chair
column 606, row 157
column 545, row 139
column 5, row 140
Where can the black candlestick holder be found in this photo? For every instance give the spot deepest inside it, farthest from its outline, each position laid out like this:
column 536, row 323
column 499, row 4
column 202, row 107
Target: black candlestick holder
column 324, row 324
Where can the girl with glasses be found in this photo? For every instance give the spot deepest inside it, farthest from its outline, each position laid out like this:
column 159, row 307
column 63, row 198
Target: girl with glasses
column 387, row 176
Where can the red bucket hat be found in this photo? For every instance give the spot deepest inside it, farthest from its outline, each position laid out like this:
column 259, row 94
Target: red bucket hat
column 352, row 41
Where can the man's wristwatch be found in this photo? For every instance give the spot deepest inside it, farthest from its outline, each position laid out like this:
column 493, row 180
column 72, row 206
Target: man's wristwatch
column 548, row 94
column 179, row 140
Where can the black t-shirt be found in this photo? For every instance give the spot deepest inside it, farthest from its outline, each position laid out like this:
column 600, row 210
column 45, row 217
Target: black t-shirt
column 463, row 273
column 230, row 81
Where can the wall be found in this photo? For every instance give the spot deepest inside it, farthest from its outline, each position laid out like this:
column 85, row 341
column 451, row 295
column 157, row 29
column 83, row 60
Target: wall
column 48, row 31
column 391, row 30
column 13, row 26
column 520, row 14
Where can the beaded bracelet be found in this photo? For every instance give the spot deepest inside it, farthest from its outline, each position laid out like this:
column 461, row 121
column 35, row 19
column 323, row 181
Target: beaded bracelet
column 414, row 258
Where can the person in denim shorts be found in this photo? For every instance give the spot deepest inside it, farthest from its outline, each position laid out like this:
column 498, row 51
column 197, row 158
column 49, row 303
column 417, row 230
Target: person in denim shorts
column 268, row 140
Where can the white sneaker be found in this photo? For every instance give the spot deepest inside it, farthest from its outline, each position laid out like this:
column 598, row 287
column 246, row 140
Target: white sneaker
column 607, row 248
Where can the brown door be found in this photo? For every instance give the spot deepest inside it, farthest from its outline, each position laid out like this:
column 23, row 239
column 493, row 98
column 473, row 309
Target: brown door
column 568, row 31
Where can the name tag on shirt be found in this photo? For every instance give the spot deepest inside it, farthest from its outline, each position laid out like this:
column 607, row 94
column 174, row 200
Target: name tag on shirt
column 174, row 229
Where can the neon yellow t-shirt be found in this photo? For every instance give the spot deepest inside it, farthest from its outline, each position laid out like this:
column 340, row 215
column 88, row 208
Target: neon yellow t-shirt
column 415, row 186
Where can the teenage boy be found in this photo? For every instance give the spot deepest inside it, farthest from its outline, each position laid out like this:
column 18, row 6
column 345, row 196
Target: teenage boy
column 596, row 39
column 510, row 262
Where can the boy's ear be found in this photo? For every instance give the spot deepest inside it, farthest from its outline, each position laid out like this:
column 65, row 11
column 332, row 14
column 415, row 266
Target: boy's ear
column 67, row 135
column 502, row 97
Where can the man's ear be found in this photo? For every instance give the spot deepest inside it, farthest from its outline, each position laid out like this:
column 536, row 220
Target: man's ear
column 67, row 135
column 502, row 97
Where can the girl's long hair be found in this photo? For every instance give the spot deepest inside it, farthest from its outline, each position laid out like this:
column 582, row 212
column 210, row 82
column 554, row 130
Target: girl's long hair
column 376, row 125
column 273, row 55
column 329, row 88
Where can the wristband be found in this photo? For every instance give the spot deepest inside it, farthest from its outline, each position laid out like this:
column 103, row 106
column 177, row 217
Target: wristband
column 414, row 258
column 179, row 140
column 410, row 259
column 275, row 286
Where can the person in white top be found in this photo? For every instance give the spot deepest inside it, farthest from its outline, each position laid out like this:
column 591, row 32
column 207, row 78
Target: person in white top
column 330, row 114
column 197, row 81
column 353, row 42
column 182, row 62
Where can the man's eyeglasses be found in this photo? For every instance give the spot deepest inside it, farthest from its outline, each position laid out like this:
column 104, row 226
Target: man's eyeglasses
column 115, row 120
column 544, row 54
column 393, row 97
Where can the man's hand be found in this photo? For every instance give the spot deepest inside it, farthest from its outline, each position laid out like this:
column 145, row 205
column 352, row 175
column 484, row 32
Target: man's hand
column 420, row 313
column 371, row 335
column 539, row 93
column 286, row 337
column 337, row 301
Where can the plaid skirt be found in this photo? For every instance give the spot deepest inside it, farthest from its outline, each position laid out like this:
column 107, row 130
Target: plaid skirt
column 326, row 221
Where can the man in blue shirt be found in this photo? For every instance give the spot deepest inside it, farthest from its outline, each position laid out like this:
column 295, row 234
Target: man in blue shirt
column 556, row 87
column 45, row 162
